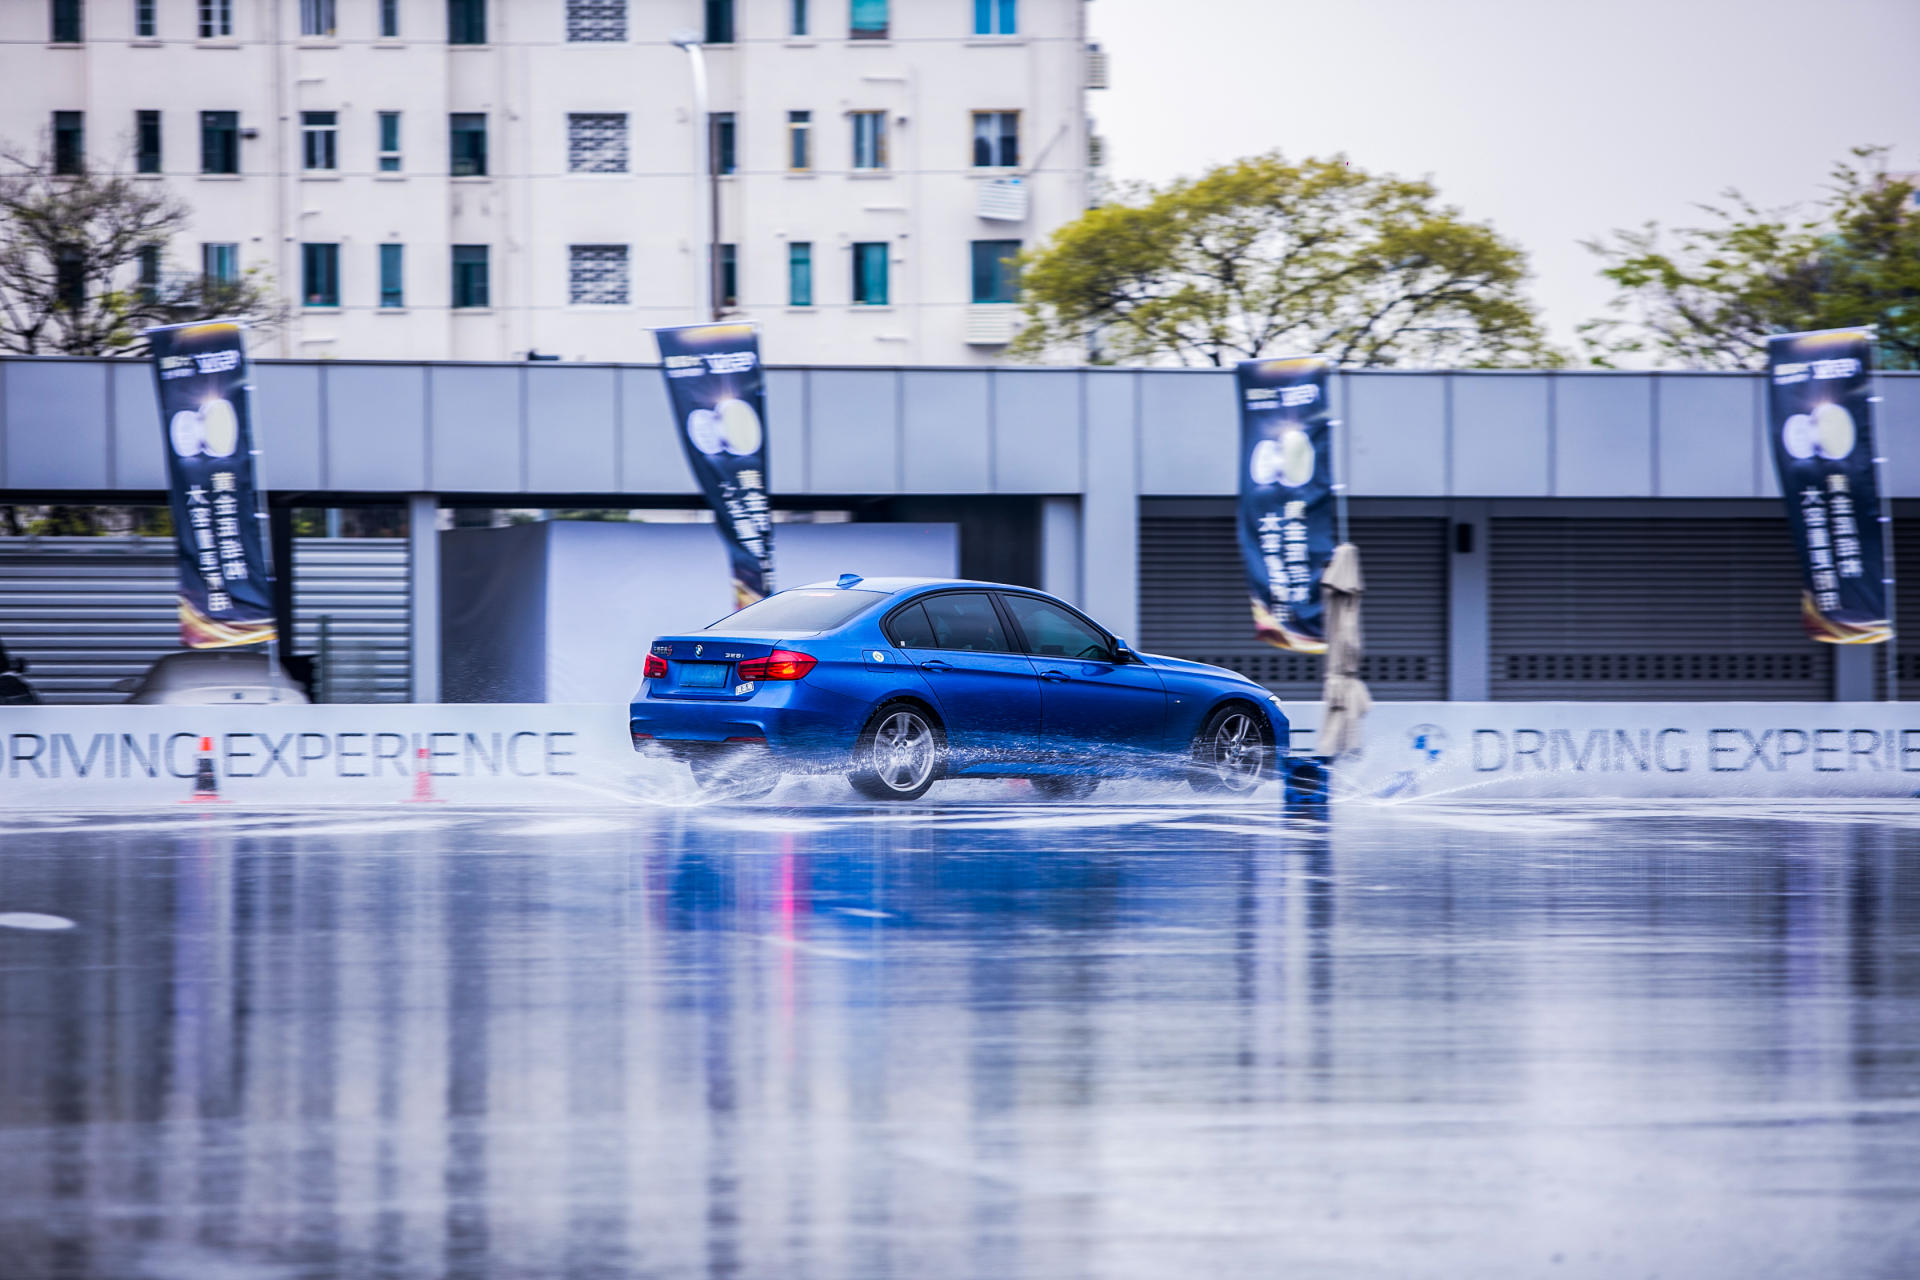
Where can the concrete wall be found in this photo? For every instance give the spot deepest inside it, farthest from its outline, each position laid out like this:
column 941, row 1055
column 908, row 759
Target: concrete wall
column 391, row 427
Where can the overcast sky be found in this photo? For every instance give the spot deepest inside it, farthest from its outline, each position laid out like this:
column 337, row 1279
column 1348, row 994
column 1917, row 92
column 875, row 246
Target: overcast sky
column 1555, row 120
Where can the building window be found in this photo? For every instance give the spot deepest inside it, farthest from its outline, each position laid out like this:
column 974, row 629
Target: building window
column 70, row 277
column 219, row 142
column 720, row 155
column 727, row 292
column 799, row 21
column 216, row 19
column 389, row 19
column 996, row 276
column 996, row 139
column 319, row 132
column 869, row 139
column 389, row 141
column 316, row 17
column 800, row 140
column 66, row 22
column 596, row 21
column 220, row 263
column 799, row 273
column 468, row 144
column 719, row 22
column 144, row 26
column 597, row 275
column 393, row 288
column 996, row 17
column 320, row 274
column 867, row 19
column 466, row 21
column 470, row 275
column 146, row 142
column 870, row 274
column 149, row 272
column 596, row 142
column 69, row 141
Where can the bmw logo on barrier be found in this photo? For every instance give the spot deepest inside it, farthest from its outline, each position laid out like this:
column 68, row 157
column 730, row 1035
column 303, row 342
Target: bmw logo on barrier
column 1428, row 741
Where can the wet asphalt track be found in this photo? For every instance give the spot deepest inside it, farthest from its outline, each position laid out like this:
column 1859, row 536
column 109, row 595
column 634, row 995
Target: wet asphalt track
column 986, row 1038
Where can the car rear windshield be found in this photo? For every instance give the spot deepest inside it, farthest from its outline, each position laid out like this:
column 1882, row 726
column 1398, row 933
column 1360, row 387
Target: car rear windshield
column 799, row 610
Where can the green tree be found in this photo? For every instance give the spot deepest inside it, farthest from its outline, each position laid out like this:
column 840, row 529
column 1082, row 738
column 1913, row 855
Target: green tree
column 1710, row 301
column 72, row 251
column 1263, row 257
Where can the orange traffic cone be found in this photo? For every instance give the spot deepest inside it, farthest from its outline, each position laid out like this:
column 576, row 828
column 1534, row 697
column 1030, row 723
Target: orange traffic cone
column 422, row 780
column 206, row 784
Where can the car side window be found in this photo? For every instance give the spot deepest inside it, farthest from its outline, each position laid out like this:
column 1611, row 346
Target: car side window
column 909, row 628
column 966, row 620
column 1054, row 632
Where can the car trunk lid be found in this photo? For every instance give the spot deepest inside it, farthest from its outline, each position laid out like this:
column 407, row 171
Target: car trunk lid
column 705, row 667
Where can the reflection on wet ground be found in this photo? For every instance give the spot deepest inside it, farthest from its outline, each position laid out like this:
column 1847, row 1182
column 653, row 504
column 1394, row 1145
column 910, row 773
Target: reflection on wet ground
column 993, row 1040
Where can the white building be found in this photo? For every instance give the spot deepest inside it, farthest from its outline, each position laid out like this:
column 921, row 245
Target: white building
column 477, row 179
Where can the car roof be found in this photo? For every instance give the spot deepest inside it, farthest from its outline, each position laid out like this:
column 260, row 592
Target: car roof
column 897, row 586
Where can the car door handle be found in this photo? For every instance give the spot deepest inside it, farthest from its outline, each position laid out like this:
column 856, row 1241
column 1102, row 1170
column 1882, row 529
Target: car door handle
column 935, row 664
column 1055, row 676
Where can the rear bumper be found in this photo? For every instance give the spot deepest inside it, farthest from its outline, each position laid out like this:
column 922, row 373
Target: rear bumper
column 796, row 722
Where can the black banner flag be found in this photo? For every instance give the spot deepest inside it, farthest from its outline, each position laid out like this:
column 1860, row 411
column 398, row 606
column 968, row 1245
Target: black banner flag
column 1286, row 496
column 718, row 392
column 226, row 582
column 1820, row 420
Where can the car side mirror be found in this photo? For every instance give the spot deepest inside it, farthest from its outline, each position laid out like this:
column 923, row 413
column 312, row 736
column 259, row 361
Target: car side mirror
column 1122, row 654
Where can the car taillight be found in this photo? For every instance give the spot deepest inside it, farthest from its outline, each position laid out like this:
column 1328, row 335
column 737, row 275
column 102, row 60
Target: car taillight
column 781, row 664
column 656, row 667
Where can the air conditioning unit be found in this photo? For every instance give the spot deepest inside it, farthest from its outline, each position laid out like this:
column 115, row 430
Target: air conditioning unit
column 1097, row 67
column 1002, row 200
column 992, row 324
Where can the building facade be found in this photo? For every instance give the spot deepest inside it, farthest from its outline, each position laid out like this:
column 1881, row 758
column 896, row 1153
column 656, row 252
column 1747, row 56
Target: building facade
column 482, row 179
column 1527, row 534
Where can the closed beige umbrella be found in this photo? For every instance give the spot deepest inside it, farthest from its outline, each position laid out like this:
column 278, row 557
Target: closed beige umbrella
column 1345, row 695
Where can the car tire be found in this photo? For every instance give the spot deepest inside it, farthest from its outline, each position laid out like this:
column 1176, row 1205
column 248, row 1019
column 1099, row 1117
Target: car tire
column 901, row 753
column 1064, row 786
column 1231, row 752
column 731, row 777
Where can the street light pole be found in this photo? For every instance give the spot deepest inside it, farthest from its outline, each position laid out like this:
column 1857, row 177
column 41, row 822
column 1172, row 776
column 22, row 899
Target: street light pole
column 703, row 124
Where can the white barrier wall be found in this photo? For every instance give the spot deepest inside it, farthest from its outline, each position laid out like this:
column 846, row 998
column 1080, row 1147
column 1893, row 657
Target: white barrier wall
column 146, row 756
column 1470, row 750
column 142, row 757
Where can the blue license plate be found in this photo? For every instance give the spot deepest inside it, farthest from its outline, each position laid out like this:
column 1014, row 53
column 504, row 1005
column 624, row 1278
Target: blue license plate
column 703, row 675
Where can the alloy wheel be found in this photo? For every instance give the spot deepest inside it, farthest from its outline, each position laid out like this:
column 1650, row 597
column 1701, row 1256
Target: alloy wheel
column 1238, row 752
column 903, row 751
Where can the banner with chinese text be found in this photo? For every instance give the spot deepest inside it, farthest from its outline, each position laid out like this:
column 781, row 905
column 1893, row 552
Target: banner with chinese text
column 1286, row 496
column 226, row 584
column 718, row 391
column 1820, row 422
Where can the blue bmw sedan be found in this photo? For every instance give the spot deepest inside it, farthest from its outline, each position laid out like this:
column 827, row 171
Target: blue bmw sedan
column 903, row 681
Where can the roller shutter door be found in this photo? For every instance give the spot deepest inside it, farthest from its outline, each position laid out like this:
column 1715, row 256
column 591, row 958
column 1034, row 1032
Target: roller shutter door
column 1193, row 604
column 1661, row 610
column 88, row 612
column 1906, row 606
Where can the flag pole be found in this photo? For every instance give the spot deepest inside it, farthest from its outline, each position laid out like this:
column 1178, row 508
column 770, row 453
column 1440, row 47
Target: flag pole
column 1886, row 526
column 264, row 525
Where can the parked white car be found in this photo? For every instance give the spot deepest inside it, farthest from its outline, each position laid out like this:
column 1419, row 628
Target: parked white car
column 215, row 678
